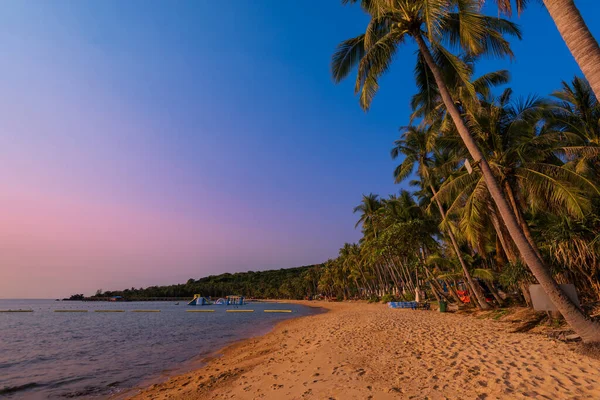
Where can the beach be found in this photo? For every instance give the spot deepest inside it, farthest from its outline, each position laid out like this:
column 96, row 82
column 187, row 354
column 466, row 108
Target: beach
column 368, row 351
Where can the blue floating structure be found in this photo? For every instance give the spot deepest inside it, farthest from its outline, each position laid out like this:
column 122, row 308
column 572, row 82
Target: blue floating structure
column 198, row 300
column 235, row 300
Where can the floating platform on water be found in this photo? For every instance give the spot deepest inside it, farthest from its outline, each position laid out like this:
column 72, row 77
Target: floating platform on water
column 232, row 300
column 198, row 300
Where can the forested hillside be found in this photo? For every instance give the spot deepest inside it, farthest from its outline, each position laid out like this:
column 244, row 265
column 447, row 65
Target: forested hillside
column 290, row 283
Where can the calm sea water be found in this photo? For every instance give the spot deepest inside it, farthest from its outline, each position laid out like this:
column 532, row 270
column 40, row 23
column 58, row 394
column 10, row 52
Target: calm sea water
column 45, row 354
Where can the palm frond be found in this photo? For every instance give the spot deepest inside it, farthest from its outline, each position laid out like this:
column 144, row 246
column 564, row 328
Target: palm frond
column 374, row 63
column 346, row 57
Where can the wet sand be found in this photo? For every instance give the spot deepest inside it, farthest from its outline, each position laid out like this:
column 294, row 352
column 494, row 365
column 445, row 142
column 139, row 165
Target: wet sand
column 367, row 351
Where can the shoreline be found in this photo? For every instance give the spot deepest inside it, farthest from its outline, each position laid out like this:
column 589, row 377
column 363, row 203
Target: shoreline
column 359, row 350
column 201, row 361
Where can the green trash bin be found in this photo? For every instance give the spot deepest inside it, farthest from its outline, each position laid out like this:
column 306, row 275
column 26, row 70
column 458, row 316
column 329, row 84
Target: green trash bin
column 443, row 306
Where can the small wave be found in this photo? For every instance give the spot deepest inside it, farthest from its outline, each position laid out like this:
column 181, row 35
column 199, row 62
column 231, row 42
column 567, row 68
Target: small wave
column 62, row 382
column 86, row 392
column 13, row 389
column 7, row 364
column 90, row 390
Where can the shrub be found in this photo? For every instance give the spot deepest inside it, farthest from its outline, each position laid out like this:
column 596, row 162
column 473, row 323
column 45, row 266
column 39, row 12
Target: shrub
column 388, row 297
column 373, row 299
column 409, row 296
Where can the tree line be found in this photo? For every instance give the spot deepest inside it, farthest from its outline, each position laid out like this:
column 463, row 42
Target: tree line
column 288, row 283
column 510, row 185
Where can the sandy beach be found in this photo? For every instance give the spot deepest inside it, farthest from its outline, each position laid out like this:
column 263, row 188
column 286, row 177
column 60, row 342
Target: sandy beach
column 367, row 351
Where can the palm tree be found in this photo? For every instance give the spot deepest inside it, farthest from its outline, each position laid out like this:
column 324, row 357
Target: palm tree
column 525, row 159
column 575, row 33
column 416, row 146
column 577, row 110
column 575, row 245
column 399, row 208
column 368, row 209
column 430, row 23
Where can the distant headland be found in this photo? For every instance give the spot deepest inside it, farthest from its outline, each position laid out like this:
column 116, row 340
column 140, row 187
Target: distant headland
column 286, row 283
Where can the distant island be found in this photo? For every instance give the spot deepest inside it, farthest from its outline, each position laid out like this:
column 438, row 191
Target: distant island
column 286, row 283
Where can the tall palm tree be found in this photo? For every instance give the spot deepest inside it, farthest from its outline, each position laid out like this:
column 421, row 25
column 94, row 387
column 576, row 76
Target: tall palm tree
column 575, row 33
column 416, row 145
column 458, row 22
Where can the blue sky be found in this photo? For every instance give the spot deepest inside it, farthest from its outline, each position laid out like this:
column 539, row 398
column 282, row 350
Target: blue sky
column 146, row 142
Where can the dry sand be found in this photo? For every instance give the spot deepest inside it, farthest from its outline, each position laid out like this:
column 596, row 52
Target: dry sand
column 367, row 351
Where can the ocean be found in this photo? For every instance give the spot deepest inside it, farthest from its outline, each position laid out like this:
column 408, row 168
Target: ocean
column 52, row 355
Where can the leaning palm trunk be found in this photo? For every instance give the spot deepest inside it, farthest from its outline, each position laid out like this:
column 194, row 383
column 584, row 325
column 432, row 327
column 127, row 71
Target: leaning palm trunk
column 586, row 328
column 434, row 291
column 506, row 246
column 578, row 38
column 475, row 288
column 407, row 276
column 432, row 281
column 436, row 288
column 521, row 218
column 495, row 294
column 510, row 255
column 392, row 268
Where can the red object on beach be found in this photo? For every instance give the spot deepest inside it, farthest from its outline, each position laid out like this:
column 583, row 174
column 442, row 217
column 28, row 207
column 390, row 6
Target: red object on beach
column 464, row 296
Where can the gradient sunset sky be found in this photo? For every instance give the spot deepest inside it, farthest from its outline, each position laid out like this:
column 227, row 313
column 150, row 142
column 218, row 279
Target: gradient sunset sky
column 148, row 142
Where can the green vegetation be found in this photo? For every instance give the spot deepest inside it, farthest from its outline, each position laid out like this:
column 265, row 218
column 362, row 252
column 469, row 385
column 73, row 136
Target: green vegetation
column 291, row 283
column 506, row 188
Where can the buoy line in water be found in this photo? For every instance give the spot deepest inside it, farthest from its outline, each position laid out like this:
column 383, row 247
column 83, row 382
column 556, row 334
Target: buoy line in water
column 144, row 311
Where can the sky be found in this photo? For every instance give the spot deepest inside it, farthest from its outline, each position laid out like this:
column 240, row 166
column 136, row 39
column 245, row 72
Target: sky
column 148, row 142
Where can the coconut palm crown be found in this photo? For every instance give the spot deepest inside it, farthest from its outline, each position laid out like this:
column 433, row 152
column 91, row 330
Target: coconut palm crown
column 447, row 26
